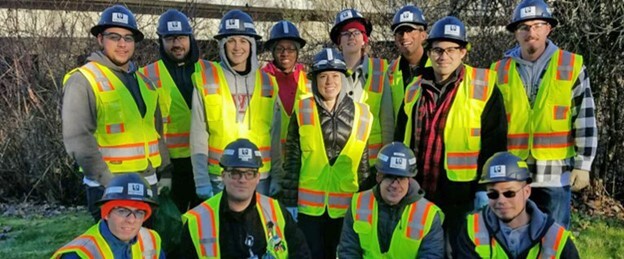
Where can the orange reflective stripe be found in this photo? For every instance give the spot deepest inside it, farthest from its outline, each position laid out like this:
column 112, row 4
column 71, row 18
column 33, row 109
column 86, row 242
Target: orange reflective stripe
column 480, row 231
column 364, row 209
column 560, row 112
column 147, row 242
column 412, row 90
column 552, row 140
column 565, row 65
column 101, row 80
column 551, row 241
column 153, row 148
column 517, row 141
column 148, row 83
column 86, row 244
column 462, row 160
column 363, row 124
column 377, row 76
column 166, row 119
column 480, row 79
column 267, row 87
column 415, row 227
column 115, row 128
column 393, row 68
column 206, row 225
column 502, row 68
column 306, row 112
column 266, row 153
column 265, row 202
column 128, row 151
column 177, row 140
column 373, row 150
column 339, row 200
column 214, row 155
column 311, row 198
column 152, row 72
column 475, row 132
column 210, row 78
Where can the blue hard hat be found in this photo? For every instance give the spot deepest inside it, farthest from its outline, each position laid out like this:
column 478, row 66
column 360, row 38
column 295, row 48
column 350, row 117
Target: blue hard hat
column 342, row 18
column 128, row 187
column 241, row 153
column 448, row 28
column 408, row 14
column 236, row 22
column 504, row 167
column 328, row 59
column 173, row 22
column 117, row 16
column 396, row 159
column 531, row 10
column 284, row 30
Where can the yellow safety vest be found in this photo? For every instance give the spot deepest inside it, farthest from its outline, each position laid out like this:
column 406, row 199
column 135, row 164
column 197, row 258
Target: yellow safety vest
column 221, row 114
column 374, row 90
column 551, row 245
column 462, row 134
column 203, row 223
column 395, row 75
column 127, row 141
column 92, row 244
column 303, row 90
column 545, row 130
column 322, row 185
column 417, row 219
column 175, row 112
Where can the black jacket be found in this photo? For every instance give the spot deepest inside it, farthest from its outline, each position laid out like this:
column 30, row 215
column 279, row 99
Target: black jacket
column 336, row 127
column 181, row 72
column 234, row 227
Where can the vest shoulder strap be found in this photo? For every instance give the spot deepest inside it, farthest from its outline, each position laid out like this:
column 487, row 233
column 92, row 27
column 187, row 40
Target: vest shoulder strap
column 209, row 77
column 377, row 76
column 480, row 83
column 149, row 242
column 364, row 122
column 364, row 207
column 565, row 64
column 412, row 89
column 306, row 111
column 152, row 71
column 553, row 241
column 502, row 70
column 268, row 87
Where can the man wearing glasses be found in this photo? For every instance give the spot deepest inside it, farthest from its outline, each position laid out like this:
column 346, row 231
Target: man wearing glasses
column 126, row 204
column 393, row 220
column 240, row 222
column 111, row 118
column 172, row 75
column 551, row 110
column 512, row 226
column 410, row 31
column 455, row 121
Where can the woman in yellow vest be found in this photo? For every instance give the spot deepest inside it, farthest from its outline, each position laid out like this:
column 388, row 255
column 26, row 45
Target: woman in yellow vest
column 326, row 152
column 125, row 205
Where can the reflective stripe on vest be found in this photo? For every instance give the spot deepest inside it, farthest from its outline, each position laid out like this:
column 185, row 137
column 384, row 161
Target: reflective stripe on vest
column 203, row 224
column 221, row 114
column 398, row 87
column 544, row 130
column 127, row 140
column 303, row 89
column 405, row 242
column 413, row 94
column 175, row 112
column 374, row 87
column 320, row 184
column 92, row 244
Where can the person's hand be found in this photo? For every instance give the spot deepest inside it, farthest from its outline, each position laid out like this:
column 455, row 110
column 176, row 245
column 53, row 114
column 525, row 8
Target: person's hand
column 164, row 183
column 293, row 211
column 204, row 192
column 481, row 200
column 579, row 179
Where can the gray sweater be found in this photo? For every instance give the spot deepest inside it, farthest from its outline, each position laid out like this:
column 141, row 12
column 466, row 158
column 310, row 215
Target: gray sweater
column 79, row 116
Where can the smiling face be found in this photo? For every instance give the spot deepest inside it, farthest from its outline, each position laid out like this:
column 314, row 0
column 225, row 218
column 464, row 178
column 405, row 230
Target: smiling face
column 285, row 55
column 351, row 42
column 177, row 46
column 237, row 49
column 446, row 56
column 532, row 36
column 240, row 187
column 125, row 228
column 408, row 39
column 509, row 208
column 329, row 84
column 119, row 52
column 392, row 189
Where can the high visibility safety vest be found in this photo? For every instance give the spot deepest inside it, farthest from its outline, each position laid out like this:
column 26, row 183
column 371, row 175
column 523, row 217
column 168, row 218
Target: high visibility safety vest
column 127, row 141
column 551, row 245
column 175, row 112
column 221, row 114
column 462, row 133
column 374, row 89
column 203, row 224
column 395, row 76
column 322, row 185
column 546, row 129
column 303, row 90
column 92, row 245
column 417, row 219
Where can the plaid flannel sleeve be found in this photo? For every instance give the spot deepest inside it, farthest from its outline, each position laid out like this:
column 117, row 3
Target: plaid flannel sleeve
column 584, row 127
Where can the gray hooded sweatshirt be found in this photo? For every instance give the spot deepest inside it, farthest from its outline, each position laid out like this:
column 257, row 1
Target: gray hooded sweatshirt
column 239, row 84
column 79, row 116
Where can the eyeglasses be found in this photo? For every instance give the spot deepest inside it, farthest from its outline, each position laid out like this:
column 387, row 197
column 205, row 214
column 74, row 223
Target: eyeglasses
column 116, row 37
column 527, row 27
column 394, row 178
column 407, row 29
column 285, row 50
column 125, row 212
column 236, row 174
column 172, row 38
column 450, row 51
column 348, row 34
column 493, row 195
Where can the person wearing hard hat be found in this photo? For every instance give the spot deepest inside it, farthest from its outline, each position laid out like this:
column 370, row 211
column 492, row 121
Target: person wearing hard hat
column 410, row 31
column 239, row 222
column 285, row 44
column 372, row 225
column 456, row 120
column 172, row 75
column 234, row 99
column 326, row 150
column 111, row 118
column 125, row 205
column 551, row 110
column 367, row 80
column 512, row 226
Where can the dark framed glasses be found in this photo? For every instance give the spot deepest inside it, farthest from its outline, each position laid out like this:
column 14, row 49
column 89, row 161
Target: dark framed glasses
column 125, row 212
column 393, row 178
column 237, row 174
column 493, row 195
column 116, row 37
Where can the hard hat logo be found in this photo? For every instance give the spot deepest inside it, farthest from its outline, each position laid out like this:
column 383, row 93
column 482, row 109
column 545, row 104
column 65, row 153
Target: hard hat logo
column 120, row 18
column 498, row 171
column 245, row 154
column 398, row 163
column 528, row 11
column 406, row 17
column 452, row 30
column 174, row 26
column 346, row 15
column 135, row 189
column 232, row 24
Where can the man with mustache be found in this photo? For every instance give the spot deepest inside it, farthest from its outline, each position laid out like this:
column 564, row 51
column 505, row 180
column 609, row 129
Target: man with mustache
column 550, row 110
column 172, row 75
column 374, row 224
column 111, row 118
column 512, row 226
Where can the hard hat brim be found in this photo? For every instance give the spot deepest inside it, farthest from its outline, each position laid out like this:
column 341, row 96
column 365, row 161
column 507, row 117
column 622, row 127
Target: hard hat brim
column 268, row 45
column 395, row 27
column 334, row 34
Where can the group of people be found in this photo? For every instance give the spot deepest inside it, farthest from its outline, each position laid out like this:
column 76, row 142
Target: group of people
column 348, row 157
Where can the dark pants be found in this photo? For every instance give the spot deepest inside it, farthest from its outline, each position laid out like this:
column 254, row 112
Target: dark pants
column 94, row 194
column 183, row 185
column 322, row 234
column 554, row 201
column 454, row 219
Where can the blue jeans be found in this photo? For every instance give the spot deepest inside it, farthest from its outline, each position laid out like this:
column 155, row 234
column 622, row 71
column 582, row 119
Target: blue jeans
column 554, row 201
